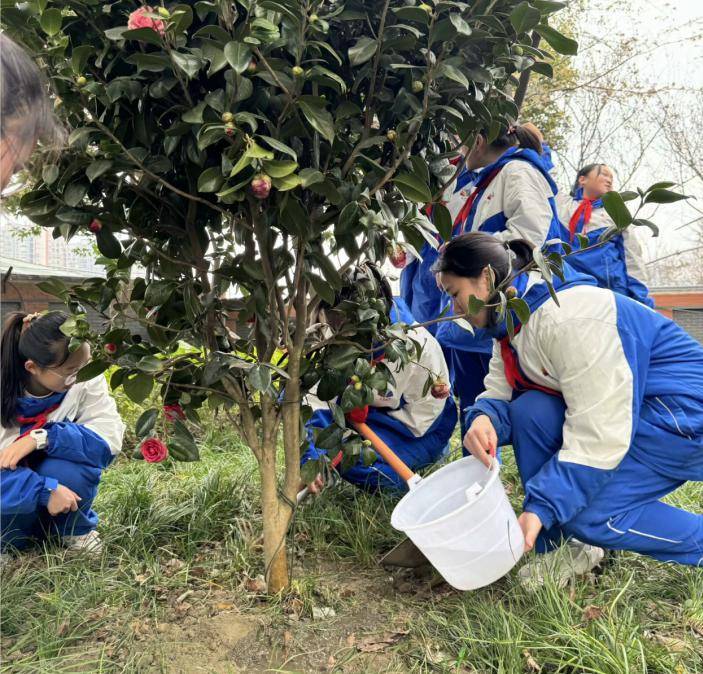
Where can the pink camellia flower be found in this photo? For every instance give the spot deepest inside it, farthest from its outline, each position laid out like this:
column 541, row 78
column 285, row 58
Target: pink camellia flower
column 140, row 18
column 440, row 389
column 95, row 225
column 173, row 412
column 153, row 450
column 261, row 186
column 398, row 257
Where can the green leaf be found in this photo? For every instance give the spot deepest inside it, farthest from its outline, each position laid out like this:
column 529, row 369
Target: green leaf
column 277, row 145
column 259, row 377
column 188, row 63
column 442, row 220
column 150, row 364
column 663, row 185
column 453, row 73
column 210, row 180
column 362, row 51
column 286, row 183
column 279, row 169
column 194, row 116
column 628, row 195
column 412, row 188
column 108, row 245
column 558, row 42
column 50, row 21
column 138, row 386
column 148, row 35
column 50, row 173
column 92, row 370
column 647, row 223
column 310, row 176
column 74, row 193
column 662, row 196
column 615, row 207
column 182, row 444
column 79, row 57
column 255, row 151
column 146, row 422
column 238, row 55
column 462, row 27
column 524, row 17
column 322, row 288
column 319, row 118
column 475, row 305
column 521, row 309
column 97, row 168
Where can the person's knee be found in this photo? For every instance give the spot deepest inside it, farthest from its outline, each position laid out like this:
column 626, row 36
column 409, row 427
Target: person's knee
column 79, row 478
column 538, row 413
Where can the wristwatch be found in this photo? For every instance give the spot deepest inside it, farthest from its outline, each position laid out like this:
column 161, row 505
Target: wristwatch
column 41, row 437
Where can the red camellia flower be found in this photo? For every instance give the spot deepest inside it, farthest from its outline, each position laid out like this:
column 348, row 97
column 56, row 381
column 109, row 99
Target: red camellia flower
column 95, row 225
column 440, row 389
column 140, row 18
column 111, row 348
column 398, row 257
column 173, row 412
column 261, row 186
column 153, row 450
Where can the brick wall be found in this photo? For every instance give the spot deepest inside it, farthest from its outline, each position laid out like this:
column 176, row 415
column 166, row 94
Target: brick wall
column 684, row 306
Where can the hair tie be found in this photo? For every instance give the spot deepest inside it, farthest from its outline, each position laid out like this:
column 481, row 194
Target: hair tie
column 512, row 130
column 28, row 319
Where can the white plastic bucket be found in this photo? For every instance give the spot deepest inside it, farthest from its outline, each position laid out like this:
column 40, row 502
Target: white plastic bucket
column 462, row 521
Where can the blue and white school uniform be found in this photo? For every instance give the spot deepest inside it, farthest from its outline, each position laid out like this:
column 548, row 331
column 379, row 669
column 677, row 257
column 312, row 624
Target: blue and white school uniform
column 418, row 285
column 416, row 427
column 602, row 400
column 617, row 264
column 84, row 433
column 512, row 199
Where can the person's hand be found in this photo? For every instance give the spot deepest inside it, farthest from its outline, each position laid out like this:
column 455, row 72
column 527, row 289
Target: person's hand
column 14, row 453
column 62, row 500
column 315, row 487
column 531, row 525
column 481, row 440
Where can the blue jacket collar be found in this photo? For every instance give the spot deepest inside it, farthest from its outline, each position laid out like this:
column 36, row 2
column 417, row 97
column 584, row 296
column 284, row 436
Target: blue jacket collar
column 29, row 406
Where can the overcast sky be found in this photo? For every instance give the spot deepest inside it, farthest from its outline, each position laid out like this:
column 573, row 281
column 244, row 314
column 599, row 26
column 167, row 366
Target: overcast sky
column 677, row 27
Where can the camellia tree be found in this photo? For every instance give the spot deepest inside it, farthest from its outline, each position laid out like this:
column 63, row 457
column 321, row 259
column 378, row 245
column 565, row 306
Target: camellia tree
column 241, row 156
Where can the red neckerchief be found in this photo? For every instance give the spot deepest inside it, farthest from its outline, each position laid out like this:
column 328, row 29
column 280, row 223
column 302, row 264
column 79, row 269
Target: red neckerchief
column 468, row 204
column 38, row 420
column 513, row 372
column 585, row 208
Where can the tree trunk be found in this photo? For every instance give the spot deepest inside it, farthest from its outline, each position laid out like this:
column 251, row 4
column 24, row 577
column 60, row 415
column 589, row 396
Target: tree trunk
column 276, row 518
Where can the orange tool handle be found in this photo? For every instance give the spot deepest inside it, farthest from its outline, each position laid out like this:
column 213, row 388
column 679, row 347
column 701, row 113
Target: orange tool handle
column 386, row 452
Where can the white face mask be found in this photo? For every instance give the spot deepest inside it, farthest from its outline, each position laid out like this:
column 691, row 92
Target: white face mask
column 71, row 380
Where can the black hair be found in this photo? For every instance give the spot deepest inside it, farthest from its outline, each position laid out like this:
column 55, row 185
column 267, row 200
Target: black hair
column 583, row 173
column 516, row 135
column 469, row 254
column 40, row 340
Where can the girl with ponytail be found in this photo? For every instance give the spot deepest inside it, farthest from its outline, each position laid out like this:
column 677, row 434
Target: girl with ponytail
column 513, row 198
column 616, row 264
column 56, row 436
column 602, row 401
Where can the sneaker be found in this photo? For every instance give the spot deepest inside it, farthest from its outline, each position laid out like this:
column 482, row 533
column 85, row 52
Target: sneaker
column 570, row 560
column 89, row 542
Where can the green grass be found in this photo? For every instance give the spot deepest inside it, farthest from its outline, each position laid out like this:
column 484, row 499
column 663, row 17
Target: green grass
column 72, row 614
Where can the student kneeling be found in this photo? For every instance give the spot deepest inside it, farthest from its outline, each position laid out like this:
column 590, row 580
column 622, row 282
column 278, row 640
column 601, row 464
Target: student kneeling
column 602, row 400
column 416, row 427
column 57, row 436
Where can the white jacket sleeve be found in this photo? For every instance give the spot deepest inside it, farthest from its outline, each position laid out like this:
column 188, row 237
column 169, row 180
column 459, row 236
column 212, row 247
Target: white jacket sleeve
column 99, row 414
column 526, row 205
column 420, row 412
